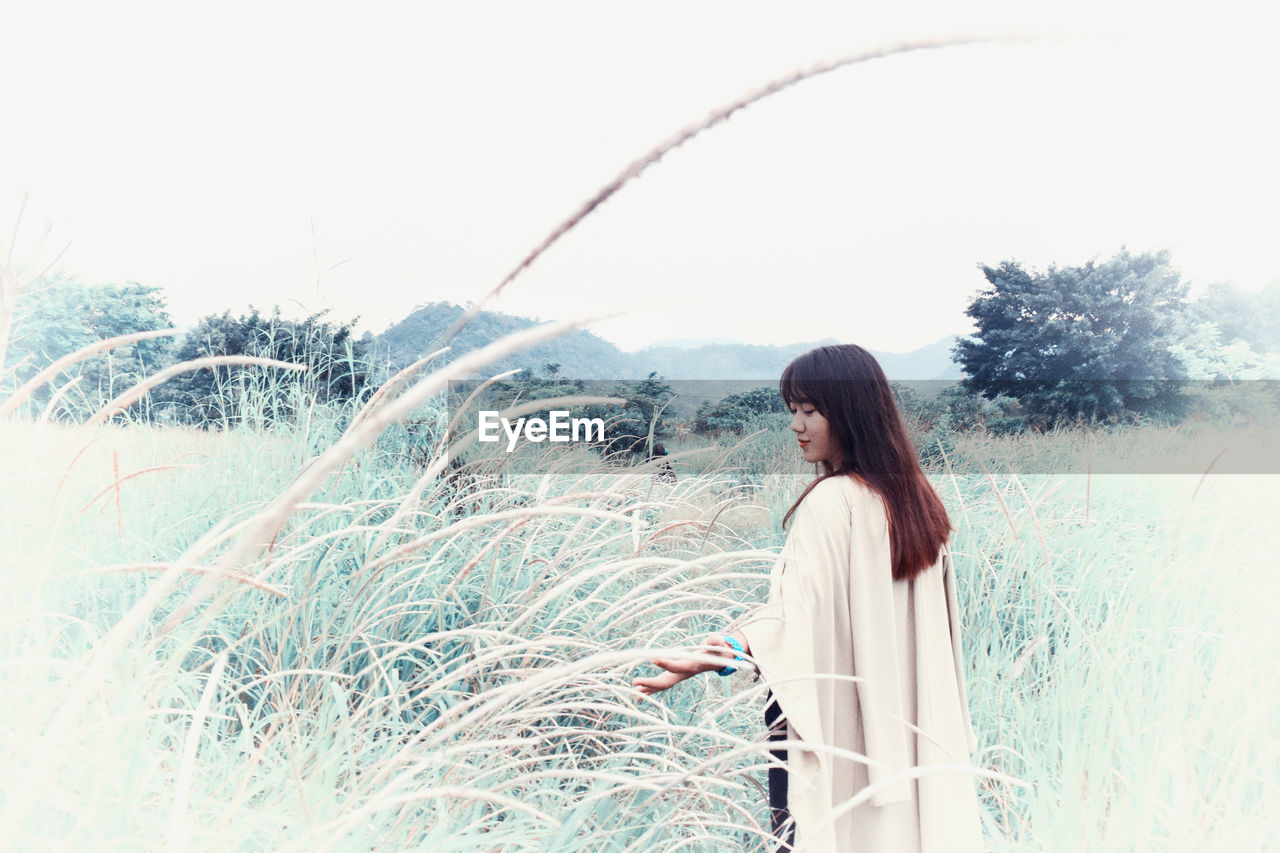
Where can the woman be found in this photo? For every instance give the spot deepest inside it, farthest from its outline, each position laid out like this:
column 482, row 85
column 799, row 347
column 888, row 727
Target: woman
column 860, row 642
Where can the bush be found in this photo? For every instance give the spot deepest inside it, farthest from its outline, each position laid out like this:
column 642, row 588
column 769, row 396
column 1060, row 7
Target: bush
column 737, row 413
column 338, row 369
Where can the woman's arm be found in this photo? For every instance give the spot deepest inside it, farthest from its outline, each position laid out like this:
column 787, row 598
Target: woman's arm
column 678, row 669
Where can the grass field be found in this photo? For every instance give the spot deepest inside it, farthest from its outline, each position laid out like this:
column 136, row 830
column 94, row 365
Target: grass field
column 308, row 636
column 444, row 663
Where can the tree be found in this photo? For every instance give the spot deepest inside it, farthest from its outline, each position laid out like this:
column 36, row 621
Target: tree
column 642, row 416
column 1205, row 356
column 627, row 431
column 1080, row 343
column 1242, row 317
column 337, row 368
column 736, row 412
column 65, row 315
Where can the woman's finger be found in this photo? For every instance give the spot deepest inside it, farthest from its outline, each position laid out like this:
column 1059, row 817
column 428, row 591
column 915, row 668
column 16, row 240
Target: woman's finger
column 682, row 667
column 657, row 683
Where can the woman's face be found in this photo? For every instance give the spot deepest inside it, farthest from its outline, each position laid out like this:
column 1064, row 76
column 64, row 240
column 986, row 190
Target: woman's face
column 812, row 430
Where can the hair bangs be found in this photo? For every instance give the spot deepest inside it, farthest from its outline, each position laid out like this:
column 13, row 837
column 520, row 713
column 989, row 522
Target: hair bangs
column 799, row 385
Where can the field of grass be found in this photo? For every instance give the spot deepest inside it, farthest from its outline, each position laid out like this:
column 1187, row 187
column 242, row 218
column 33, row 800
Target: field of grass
column 443, row 662
column 309, row 637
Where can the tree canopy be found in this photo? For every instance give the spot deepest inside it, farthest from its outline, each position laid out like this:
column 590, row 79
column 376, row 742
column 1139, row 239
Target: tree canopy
column 736, row 412
column 64, row 315
column 641, row 423
column 1090, row 342
column 1242, row 317
column 336, row 362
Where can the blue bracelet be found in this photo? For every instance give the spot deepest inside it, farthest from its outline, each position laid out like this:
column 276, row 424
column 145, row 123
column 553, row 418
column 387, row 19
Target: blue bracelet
column 737, row 647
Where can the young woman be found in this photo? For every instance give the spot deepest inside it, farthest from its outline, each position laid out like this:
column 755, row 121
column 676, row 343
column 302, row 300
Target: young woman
column 860, row 640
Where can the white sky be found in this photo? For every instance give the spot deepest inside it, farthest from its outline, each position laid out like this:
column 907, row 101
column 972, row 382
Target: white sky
column 373, row 157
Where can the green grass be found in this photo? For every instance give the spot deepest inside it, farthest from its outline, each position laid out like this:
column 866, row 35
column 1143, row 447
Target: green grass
column 453, row 673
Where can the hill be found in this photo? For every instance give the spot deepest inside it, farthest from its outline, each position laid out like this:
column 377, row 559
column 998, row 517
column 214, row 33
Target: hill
column 583, row 355
column 580, row 354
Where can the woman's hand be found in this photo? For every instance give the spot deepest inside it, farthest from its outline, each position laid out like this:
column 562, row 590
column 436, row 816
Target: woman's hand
column 678, row 669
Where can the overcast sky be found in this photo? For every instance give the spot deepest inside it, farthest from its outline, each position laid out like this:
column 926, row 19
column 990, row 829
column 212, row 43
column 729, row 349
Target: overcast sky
column 369, row 158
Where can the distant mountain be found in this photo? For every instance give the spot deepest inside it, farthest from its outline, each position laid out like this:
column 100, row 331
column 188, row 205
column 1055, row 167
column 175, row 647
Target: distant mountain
column 583, row 355
column 754, row 361
column 721, row 361
column 580, row 354
column 928, row 362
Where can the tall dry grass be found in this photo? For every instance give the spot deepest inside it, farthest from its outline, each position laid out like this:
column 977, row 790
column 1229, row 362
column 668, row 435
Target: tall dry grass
column 252, row 640
column 465, row 684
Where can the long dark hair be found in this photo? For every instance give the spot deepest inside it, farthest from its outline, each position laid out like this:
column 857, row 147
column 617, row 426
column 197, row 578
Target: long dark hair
column 848, row 387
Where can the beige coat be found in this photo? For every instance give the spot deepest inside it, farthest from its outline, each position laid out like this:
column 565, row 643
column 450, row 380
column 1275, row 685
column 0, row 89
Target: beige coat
column 835, row 611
